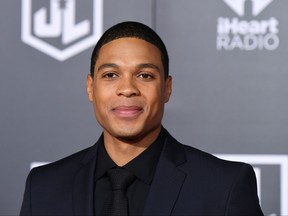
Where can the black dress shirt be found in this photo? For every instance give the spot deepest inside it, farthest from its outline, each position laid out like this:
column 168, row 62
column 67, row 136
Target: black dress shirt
column 143, row 167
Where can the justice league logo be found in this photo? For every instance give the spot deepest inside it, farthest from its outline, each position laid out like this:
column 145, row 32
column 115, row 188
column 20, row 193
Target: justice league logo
column 58, row 28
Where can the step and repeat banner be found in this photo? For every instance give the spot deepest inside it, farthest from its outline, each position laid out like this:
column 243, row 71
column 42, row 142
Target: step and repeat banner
column 228, row 59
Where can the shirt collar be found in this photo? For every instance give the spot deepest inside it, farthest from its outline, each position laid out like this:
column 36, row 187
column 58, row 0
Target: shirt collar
column 103, row 161
column 143, row 166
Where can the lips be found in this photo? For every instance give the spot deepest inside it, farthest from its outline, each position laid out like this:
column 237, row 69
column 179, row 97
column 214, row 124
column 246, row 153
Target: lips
column 127, row 111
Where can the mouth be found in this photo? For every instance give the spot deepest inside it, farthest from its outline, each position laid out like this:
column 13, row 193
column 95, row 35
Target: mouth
column 127, row 111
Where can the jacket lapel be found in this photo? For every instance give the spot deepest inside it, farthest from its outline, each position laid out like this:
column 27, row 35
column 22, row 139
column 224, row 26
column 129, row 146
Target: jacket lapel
column 168, row 179
column 83, row 187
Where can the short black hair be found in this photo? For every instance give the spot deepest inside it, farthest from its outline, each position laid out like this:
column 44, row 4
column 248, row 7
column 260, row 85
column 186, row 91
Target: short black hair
column 133, row 30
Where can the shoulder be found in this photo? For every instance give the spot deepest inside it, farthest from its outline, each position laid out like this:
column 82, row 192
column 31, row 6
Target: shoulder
column 204, row 162
column 65, row 167
column 214, row 166
column 208, row 159
column 210, row 172
column 225, row 187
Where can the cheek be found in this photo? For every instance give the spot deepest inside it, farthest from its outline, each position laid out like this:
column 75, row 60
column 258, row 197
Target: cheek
column 102, row 92
column 101, row 111
column 155, row 98
column 100, row 98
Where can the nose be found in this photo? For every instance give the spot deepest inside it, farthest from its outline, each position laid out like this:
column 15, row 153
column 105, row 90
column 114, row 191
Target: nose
column 127, row 87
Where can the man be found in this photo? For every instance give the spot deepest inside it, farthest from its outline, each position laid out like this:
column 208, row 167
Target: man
column 128, row 85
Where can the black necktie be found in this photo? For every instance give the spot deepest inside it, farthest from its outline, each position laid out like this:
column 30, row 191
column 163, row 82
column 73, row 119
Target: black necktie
column 117, row 204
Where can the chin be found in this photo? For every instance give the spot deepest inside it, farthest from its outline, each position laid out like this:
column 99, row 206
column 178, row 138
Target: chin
column 128, row 133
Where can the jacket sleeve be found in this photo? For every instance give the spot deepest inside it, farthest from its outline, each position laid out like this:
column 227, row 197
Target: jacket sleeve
column 26, row 203
column 243, row 199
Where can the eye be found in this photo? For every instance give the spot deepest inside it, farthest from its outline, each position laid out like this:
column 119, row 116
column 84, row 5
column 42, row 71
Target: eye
column 109, row 75
column 145, row 76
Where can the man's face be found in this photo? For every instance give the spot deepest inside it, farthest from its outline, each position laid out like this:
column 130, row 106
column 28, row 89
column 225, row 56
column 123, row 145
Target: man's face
column 128, row 89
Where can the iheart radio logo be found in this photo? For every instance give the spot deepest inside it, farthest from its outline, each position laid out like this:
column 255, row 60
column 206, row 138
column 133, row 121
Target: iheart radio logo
column 242, row 34
column 238, row 6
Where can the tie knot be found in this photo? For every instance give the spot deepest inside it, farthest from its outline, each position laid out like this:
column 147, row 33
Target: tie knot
column 120, row 178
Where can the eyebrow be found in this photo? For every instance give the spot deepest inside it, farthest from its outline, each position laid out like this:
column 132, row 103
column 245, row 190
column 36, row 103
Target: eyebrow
column 148, row 65
column 107, row 65
column 139, row 66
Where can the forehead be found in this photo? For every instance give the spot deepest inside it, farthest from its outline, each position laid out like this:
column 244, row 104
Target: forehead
column 129, row 52
column 128, row 45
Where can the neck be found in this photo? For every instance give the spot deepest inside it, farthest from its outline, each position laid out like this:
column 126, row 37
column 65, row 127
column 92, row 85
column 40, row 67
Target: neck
column 122, row 151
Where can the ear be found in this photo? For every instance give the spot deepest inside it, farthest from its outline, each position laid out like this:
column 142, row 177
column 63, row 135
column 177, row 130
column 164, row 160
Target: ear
column 168, row 88
column 89, row 87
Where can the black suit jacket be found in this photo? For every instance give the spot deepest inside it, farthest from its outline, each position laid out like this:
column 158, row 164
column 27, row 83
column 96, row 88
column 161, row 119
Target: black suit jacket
column 187, row 181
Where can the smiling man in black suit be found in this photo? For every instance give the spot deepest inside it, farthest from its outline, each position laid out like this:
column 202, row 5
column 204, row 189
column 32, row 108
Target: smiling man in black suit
column 129, row 84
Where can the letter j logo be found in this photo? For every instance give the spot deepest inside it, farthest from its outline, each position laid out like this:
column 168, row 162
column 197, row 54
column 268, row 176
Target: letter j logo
column 53, row 28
